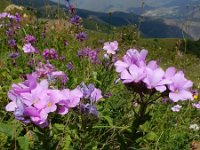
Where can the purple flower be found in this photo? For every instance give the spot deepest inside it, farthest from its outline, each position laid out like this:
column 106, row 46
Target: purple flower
column 95, row 95
column 50, row 54
column 155, row 79
column 18, row 17
column 69, row 99
column 133, row 74
column 14, row 55
column 66, row 43
column 59, row 74
column 132, row 57
column 180, row 88
column 75, row 20
column 81, row 36
column 107, row 95
column 12, row 43
column 9, row 32
column 176, row 108
column 111, row 47
column 69, row 66
column 196, row 105
column 28, row 48
column 90, row 109
column 62, row 58
column 72, row 9
column 90, row 92
column 29, row 39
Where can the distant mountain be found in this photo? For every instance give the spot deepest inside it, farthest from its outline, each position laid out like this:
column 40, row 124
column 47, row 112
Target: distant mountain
column 33, row 3
column 149, row 27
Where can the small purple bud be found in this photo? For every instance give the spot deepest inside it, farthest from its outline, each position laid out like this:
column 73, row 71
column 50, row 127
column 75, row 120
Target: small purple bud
column 69, row 66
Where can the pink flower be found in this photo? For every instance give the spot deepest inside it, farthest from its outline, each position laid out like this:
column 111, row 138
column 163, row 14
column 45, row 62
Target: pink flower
column 155, row 79
column 111, row 47
column 196, row 105
column 180, row 88
column 133, row 74
column 28, row 48
column 69, row 99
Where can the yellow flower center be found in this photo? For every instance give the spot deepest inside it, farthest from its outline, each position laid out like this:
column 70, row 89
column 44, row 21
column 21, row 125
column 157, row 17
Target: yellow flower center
column 195, row 96
column 49, row 104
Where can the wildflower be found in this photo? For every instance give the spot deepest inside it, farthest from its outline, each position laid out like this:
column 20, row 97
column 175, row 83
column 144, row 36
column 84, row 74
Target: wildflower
column 62, row 58
column 70, row 99
column 155, row 79
column 196, row 105
column 111, row 47
column 106, row 56
column 95, row 95
column 28, row 48
column 14, row 55
column 17, row 17
column 29, row 39
column 69, row 66
column 195, row 127
column 176, row 108
column 90, row 109
column 133, row 74
column 12, row 43
column 90, row 92
column 66, row 43
column 59, row 74
column 195, row 94
column 88, row 52
column 9, row 32
column 75, row 20
column 180, row 88
column 43, row 70
column 81, row 36
column 50, row 54
column 107, row 95
column 133, row 57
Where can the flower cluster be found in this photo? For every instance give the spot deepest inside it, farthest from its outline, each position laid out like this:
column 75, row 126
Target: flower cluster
column 111, row 47
column 33, row 102
column 48, row 71
column 91, row 54
column 82, row 36
column 134, row 71
column 30, row 39
column 75, row 20
column 12, row 24
column 15, row 17
column 50, row 54
column 92, row 95
column 28, row 48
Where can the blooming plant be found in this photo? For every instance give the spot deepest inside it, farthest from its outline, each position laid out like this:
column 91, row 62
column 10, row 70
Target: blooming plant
column 73, row 95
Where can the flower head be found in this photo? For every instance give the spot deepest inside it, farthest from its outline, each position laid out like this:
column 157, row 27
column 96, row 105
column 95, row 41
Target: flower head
column 176, row 108
column 111, row 47
column 28, row 48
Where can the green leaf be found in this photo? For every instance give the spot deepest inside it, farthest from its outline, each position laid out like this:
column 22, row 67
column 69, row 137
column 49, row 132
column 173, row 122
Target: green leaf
column 151, row 136
column 59, row 127
column 109, row 120
column 23, row 142
column 7, row 129
column 67, row 142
